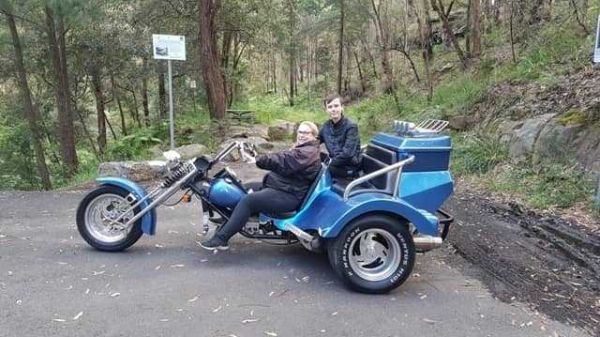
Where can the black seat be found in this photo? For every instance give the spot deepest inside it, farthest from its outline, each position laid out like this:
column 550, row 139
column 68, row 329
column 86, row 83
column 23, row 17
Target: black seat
column 374, row 158
column 382, row 154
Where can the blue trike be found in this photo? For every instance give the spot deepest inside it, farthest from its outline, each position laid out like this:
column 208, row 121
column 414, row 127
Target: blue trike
column 371, row 227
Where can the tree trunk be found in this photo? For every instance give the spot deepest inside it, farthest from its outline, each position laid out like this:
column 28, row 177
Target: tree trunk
column 468, row 31
column 274, row 73
column 382, row 36
column 424, row 24
column 225, row 56
column 56, row 39
column 292, row 65
column 581, row 18
column 444, row 14
column 112, row 131
column 31, row 113
column 118, row 99
column 145, row 94
column 291, row 49
column 511, row 28
column 475, row 28
column 101, row 115
column 360, row 74
column 135, row 110
column 340, row 48
column 211, row 72
column 371, row 58
column 87, row 133
column 348, row 75
column 162, row 97
column 537, row 12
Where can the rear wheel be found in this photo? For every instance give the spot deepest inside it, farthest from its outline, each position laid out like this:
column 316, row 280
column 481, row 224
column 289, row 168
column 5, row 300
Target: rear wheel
column 96, row 217
column 373, row 254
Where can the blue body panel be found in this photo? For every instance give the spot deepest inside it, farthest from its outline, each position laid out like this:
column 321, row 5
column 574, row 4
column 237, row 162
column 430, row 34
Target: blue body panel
column 431, row 153
column 426, row 190
column 424, row 186
column 327, row 213
column 149, row 219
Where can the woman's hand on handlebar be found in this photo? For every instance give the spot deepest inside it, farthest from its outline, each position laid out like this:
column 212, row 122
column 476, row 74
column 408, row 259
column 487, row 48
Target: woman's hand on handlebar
column 248, row 153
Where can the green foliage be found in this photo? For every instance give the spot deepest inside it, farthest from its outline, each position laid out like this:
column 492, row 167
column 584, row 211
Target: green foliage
column 375, row 114
column 457, row 96
column 572, row 117
column 87, row 170
column 477, row 153
column 555, row 49
column 271, row 107
column 543, row 186
column 17, row 169
column 132, row 146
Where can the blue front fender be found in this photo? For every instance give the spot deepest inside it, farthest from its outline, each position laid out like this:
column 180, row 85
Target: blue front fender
column 149, row 219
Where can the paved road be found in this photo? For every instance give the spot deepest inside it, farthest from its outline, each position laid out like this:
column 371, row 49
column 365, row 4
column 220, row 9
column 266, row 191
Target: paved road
column 53, row 284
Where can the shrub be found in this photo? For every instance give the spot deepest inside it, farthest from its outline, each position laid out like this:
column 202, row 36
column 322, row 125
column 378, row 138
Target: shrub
column 478, row 153
column 132, row 146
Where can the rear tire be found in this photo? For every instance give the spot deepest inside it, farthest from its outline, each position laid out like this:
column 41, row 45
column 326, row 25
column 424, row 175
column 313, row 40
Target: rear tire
column 99, row 205
column 374, row 254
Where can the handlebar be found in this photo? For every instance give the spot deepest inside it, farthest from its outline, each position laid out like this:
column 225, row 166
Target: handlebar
column 247, row 152
column 225, row 152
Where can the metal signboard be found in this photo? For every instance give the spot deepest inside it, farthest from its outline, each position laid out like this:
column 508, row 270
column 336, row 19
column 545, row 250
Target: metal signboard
column 168, row 47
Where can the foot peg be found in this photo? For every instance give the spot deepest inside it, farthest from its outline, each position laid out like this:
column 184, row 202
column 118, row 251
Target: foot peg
column 216, row 220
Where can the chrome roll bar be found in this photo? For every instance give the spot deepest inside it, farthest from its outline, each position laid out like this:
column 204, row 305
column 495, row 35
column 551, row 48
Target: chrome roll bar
column 397, row 166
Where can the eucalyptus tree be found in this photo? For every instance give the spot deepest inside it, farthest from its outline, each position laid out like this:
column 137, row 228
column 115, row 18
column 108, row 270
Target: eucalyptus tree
column 212, row 74
column 30, row 110
column 56, row 30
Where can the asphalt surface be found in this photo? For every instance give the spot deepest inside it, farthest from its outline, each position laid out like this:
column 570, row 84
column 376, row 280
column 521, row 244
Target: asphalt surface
column 53, row 284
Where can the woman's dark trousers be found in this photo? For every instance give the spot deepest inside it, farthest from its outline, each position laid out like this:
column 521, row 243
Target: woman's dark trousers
column 266, row 200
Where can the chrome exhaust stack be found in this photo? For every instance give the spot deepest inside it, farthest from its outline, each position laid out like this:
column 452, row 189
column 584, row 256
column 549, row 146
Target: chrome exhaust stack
column 425, row 243
column 312, row 243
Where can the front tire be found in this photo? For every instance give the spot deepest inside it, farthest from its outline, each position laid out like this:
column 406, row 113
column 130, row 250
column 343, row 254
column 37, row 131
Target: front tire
column 373, row 254
column 93, row 219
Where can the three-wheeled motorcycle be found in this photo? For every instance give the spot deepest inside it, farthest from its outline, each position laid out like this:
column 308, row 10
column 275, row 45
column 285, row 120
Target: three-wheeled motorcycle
column 371, row 227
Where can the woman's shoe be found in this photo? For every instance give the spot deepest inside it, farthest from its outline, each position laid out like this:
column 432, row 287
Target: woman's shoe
column 215, row 243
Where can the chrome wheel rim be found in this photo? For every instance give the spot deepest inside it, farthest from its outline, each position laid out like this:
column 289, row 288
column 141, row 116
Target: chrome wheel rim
column 100, row 215
column 374, row 254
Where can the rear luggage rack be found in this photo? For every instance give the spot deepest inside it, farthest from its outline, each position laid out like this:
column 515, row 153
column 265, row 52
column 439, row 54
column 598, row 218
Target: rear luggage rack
column 425, row 128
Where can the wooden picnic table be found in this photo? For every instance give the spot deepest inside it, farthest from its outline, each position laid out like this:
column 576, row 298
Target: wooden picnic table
column 247, row 116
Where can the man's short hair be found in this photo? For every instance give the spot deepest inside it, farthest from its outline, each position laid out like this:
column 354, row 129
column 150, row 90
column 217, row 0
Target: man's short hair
column 331, row 98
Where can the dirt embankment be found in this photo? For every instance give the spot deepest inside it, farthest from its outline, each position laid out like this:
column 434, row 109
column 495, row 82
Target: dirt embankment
column 540, row 259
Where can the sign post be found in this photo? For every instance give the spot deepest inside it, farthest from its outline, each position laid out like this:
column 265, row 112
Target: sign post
column 193, row 87
column 169, row 47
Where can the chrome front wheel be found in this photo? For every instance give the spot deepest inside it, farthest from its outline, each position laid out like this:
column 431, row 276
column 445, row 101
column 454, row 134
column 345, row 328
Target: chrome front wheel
column 101, row 216
column 101, row 219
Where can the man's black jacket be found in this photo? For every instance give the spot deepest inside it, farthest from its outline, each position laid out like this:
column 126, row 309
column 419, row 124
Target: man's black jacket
column 292, row 170
column 342, row 142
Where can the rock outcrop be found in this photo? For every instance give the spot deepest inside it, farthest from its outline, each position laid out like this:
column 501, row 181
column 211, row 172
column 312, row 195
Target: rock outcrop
column 561, row 119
